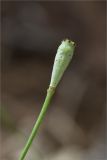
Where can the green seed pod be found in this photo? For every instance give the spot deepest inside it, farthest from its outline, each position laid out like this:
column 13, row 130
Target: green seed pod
column 63, row 57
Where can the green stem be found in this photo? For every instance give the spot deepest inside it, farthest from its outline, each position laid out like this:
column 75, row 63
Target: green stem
column 47, row 101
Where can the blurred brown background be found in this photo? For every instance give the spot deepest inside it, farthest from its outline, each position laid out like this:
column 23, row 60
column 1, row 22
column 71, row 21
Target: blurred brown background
column 74, row 126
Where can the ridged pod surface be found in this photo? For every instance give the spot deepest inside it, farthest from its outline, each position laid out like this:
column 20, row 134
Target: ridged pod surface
column 63, row 57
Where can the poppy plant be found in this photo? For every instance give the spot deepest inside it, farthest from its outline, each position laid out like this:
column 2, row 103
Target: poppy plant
column 63, row 57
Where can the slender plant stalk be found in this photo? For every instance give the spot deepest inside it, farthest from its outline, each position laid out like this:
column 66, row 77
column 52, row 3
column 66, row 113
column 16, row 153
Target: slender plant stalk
column 62, row 59
column 50, row 93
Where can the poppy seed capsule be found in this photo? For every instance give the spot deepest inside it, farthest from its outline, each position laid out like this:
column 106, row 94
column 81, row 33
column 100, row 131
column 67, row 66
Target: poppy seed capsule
column 63, row 57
